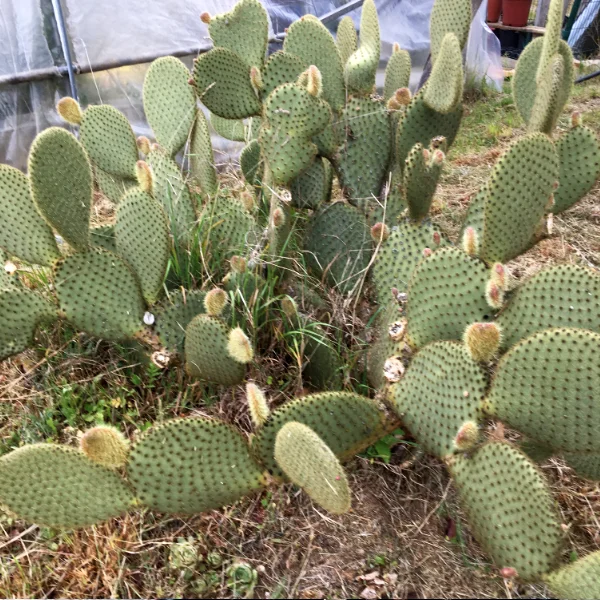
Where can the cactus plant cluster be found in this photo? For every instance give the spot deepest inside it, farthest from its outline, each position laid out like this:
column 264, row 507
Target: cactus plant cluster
column 458, row 344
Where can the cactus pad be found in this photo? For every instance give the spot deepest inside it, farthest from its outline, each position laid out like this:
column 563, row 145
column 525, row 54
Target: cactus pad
column 251, row 163
column 580, row 579
column 98, row 293
column 112, row 186
column 192, row 465
column 558, row 296
column 309, row 463
column 547, row 387
column 58, row 486
column 346, row 38
column 444, row 89
column 61, row 184
column 449, row 16
column 579, row 166
column 312, row 187
column 223, row 84
column 206, row 353
column 230, row 129
column 585, row 465
column 109, row 140
column 442, row 389
column 142, row 239
column 421, row 176
column 512, row 212
column 169, row 102
column 346, row 422
column 509, row 508
column 397, row 72
column 24, row 232
column 22, row 311
column 281, row 67
column 202, row 162
column 446, row 293
column 337, row 245
column 103, row 237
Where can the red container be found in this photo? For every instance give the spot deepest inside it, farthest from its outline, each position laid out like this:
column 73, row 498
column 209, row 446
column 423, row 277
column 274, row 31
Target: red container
column 494, row 8
column 515, row 12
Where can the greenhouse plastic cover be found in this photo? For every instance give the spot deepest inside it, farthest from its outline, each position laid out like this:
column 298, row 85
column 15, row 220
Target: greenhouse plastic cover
column 113, row 30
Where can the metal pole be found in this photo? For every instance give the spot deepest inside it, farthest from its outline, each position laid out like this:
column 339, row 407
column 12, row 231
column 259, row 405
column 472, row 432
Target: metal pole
column 587, row 77
column 571, row 20
column 64, row 41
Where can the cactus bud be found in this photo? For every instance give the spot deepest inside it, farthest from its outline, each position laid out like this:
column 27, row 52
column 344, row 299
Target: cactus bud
column 215, row 301
column 403, row 96
column 238, row 264
column 144, row 176
column 437, row 238
column 143, row 144
column 256, row 78
column 470, row 241
column 106, row 446
column 257, row 403
column 482, row 341
column 277, row 218
column 395, row 291
column 397, row 330
column 467, row 436
column 426, row 155
column 393, row 369
column 438, row 158
column 395, row 48
column 191, row 81
column 155, row 147
column 494, row 295
column 576, row 119
column 427, row 252
column 439, row 143
column 247, row 200
column 380, row 232
column 68, row 108
column 239, row 346
column 205, row 18
column 393, row 104
column 499, row 275
column 508, row 573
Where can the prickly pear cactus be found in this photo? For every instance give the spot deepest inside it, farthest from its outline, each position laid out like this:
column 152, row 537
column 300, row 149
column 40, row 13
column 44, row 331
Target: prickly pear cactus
column 281, row 67
column 444, row 89
column 397, row 72
column 346, row 39
column 422, row 171
column 580, row 579
column 103, row 236
column 312, row 187
column 449, row 16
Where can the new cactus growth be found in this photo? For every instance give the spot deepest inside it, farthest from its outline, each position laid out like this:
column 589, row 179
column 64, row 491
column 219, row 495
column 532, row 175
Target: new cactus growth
column 106, row 446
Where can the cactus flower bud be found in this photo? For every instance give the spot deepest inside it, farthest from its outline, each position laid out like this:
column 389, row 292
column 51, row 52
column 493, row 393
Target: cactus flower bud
column 576, row 119
column 494, row 295
column 256, row 78
column 467, row 436
column 470, row 241
column 143, row 144
column 427, row 252
column 508, row 573
column 247, row 200
column 499, row 275
column 215, row 301
column 437, row 238
column 144, row 176
column 314, row 81
column 106, row 446
column 380, row 232
column 403, row 96
column 426, row 155
column 393, row 104
column 257, row 403
column 438, row 158
column 482, row 340
column 238, row 264
column 395, row 48
column 239, row 346
column 205, row 18
column 278, row 218
column 68, row 108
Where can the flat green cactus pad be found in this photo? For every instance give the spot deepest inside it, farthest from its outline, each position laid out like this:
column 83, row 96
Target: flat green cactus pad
column 559, row 296
column 60, row 487
column 346, row 422
column 310, row 464
column 512, row 213
column 202, row 161
column 556, row 403
column 446, row 294
column 442, row 389
column 346, row 38
column 337, row 245
column 206, row 353
column 363, row 158
column 103, row 237
column 175, row 314
column 109, row 140
column 398, row 256
column 361, row 67
column 251, row 163
column 449, row 16
column 98, row 293
column 536, row 452
column 421, row 176
column 546, row 108
column 24, row 233
column 191, row 466
column 61, row 184
column 112, row 186
column 244, row 30
column 281, row 67
column 420, row 124
column 312, row 187
column 444, row 89
column 230, row 129
column 223, row 84
column 397, row 73
column 310, row 40
column 22, row 311
column 579, row 580
column 510, row 509
column 475, row 214
column 585, row 465
column 579, row 166
column 142, row 239
column 169, row 102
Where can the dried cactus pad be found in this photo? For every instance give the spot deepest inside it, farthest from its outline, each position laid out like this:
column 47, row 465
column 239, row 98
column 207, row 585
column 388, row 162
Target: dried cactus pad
column 206, row 354
column 24, row 233
column 22, row 311
column 442, row 389
column 109, row 140
column 346, row 422
column 559, row 296
column 310, row 40
column 244, row 30
column 446, row 293
column 169, row 102
column 579, row 580
column 518, row 191
column 281, row 67
column 585, row 465
column 98, row 293
column 310, row 464
column 509, row 508
column 346, row 38
column 175, row 314
column 548, row 386
column 142, row 239
column 579, row 160
column 61, row 184
column 58, row 486
column 223, row 84
column 449, row 16
column 337, row 245
column 192, row 465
